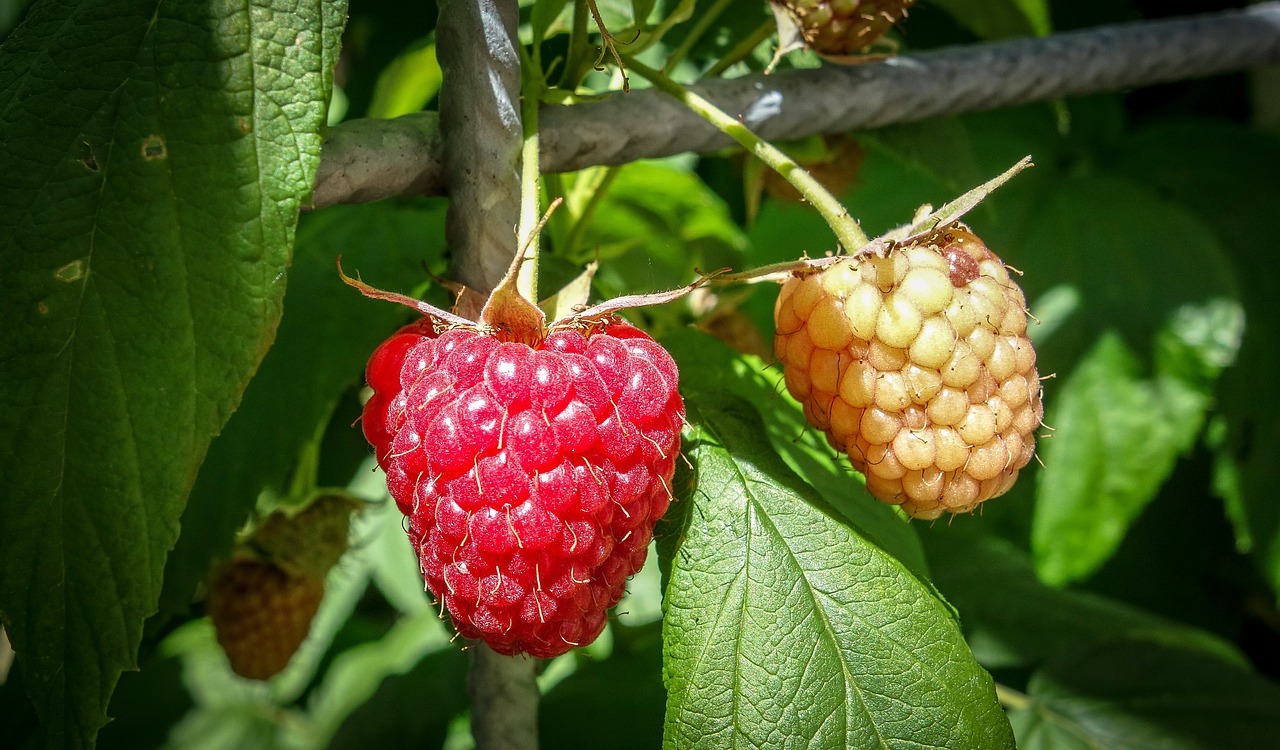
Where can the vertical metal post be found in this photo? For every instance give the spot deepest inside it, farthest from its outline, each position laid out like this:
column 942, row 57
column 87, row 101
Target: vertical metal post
column 481, row 129
column 480, row 125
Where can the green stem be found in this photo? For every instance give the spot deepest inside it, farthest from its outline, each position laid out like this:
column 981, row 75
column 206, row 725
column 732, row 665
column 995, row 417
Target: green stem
column 579, row 58
column 696, row 34
column 847, row 231
column 1012, row 699
column 742, row 49
column 597, row 191
column 531, row 89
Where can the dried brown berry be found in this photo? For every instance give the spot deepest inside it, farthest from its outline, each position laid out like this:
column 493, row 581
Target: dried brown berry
column 261, row 614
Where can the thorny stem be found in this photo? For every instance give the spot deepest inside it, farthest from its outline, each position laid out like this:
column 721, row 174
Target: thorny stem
column 847, row 231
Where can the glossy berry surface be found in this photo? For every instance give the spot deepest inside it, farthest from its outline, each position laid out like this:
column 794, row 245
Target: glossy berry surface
column 918, row 367
column 532, row 476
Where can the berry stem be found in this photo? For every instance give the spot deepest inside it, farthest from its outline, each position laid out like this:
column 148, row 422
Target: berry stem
column 836, row 215
column 532, row 86
column 504, row 700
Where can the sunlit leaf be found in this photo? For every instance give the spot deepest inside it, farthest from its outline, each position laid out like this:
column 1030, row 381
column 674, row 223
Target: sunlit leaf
column 784, row 622
column 1120, row 434
column 155, row 156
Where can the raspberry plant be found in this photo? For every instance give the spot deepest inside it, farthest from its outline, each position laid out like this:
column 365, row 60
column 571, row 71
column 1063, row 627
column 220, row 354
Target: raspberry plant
column 182, row 364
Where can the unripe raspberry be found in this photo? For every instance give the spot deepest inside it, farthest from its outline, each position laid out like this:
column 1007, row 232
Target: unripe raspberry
column 844, row 27
column 532, row 474
column 261, row 614
column 918, row 367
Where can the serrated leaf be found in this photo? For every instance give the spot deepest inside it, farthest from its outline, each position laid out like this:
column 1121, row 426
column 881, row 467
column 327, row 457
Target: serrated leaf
column 1013, row 620
column 1117, row 436
column 295, row 390
column 1141, row 695
column 783, row 622
column 155, row 155
column 707, row 363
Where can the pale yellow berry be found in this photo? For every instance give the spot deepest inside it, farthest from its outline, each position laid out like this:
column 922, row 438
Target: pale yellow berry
column 827, row 325
column 806, row 296
column 978, row 425
column 891, row 392
column 963, row 367
column 879, row 426
column 922, row 383
column 824, row 370
column 862, row 310
column 917, row 366
column 838, row 279
column 1003, row 362
column 914, row 448
column 899, row 322
column 932, row 348
column 948, row 407
column 858, row 384
column 886, row 358
column 928, row 289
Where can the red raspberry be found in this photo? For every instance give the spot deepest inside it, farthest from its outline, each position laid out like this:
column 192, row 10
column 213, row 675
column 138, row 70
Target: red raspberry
column 532, row 476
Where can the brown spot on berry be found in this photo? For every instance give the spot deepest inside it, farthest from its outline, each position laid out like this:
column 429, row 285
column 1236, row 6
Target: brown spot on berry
column 961, row 266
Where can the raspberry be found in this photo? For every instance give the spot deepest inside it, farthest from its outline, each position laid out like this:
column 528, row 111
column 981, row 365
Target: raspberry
column 917, row 365
column 844, row 27
column 261, row 614
column 532, row 474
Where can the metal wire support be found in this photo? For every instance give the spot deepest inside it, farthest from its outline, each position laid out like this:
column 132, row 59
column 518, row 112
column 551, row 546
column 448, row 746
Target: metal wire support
column 481, row 135
column 795, row 104
column 479, row 153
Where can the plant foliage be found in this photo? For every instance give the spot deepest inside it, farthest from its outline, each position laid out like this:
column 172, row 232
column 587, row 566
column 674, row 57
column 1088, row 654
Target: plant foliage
column 179, row 356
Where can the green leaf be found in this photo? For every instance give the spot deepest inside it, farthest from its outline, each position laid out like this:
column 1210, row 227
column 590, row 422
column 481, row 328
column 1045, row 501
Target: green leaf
column 408, row 83
column 1013, row 620
column 653, row 224
column 1117, row 436
column 707, row 363
column 1005, row 18
column 411, row 710
column 783, row 622
column 299, row 383
column 155, row 155
column 543, row 16
column 1140, row 695
column 411, row 677
column 1229, row 179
